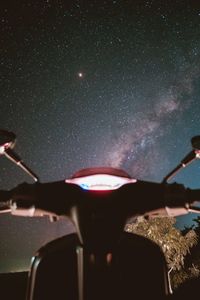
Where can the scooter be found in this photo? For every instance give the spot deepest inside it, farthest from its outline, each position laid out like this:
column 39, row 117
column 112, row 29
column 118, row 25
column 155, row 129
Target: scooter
column 100, row 260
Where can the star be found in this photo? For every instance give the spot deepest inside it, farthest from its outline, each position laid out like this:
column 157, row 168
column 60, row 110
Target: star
column 80, row 75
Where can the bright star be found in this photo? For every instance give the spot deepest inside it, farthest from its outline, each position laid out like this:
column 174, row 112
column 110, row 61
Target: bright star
column 80, row 74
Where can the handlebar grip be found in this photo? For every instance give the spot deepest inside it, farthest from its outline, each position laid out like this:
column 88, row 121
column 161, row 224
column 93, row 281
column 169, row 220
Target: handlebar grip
column 193, row 195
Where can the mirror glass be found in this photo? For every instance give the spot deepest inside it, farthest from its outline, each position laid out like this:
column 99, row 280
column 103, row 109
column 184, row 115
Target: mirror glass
column 7, row 140
column 195, row 141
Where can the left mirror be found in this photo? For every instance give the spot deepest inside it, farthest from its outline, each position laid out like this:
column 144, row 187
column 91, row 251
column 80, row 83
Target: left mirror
column 7, row 143
column 7, row 140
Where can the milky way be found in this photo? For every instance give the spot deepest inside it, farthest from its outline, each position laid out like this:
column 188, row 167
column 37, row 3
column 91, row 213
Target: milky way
column 145, row 129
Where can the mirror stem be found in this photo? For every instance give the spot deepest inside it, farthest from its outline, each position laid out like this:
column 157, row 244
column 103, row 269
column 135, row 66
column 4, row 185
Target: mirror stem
column 10, row 154
column 172, row 173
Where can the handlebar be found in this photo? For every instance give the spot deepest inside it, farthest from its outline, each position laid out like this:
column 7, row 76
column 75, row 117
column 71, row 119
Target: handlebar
column 140, row 198
column 99, row 216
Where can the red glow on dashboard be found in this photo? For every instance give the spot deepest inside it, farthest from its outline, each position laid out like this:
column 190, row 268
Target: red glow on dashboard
column 100, row 182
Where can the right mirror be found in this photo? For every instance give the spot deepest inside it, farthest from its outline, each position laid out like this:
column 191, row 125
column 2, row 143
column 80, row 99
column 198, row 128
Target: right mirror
column 195, row 141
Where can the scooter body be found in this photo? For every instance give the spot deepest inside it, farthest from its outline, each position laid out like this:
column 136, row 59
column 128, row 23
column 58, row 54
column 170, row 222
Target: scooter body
column 97, row 263
column 135, row 269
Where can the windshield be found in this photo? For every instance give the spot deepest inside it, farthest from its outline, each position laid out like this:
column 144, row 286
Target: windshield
column 100, row 83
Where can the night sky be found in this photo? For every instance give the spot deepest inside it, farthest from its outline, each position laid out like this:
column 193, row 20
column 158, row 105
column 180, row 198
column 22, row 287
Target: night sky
column 95, row 83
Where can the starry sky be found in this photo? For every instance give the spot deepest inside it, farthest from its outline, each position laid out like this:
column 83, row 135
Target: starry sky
column 95, row 83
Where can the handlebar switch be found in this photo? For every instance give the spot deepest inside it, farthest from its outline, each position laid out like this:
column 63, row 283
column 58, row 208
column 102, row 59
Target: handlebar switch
column 22, row 211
